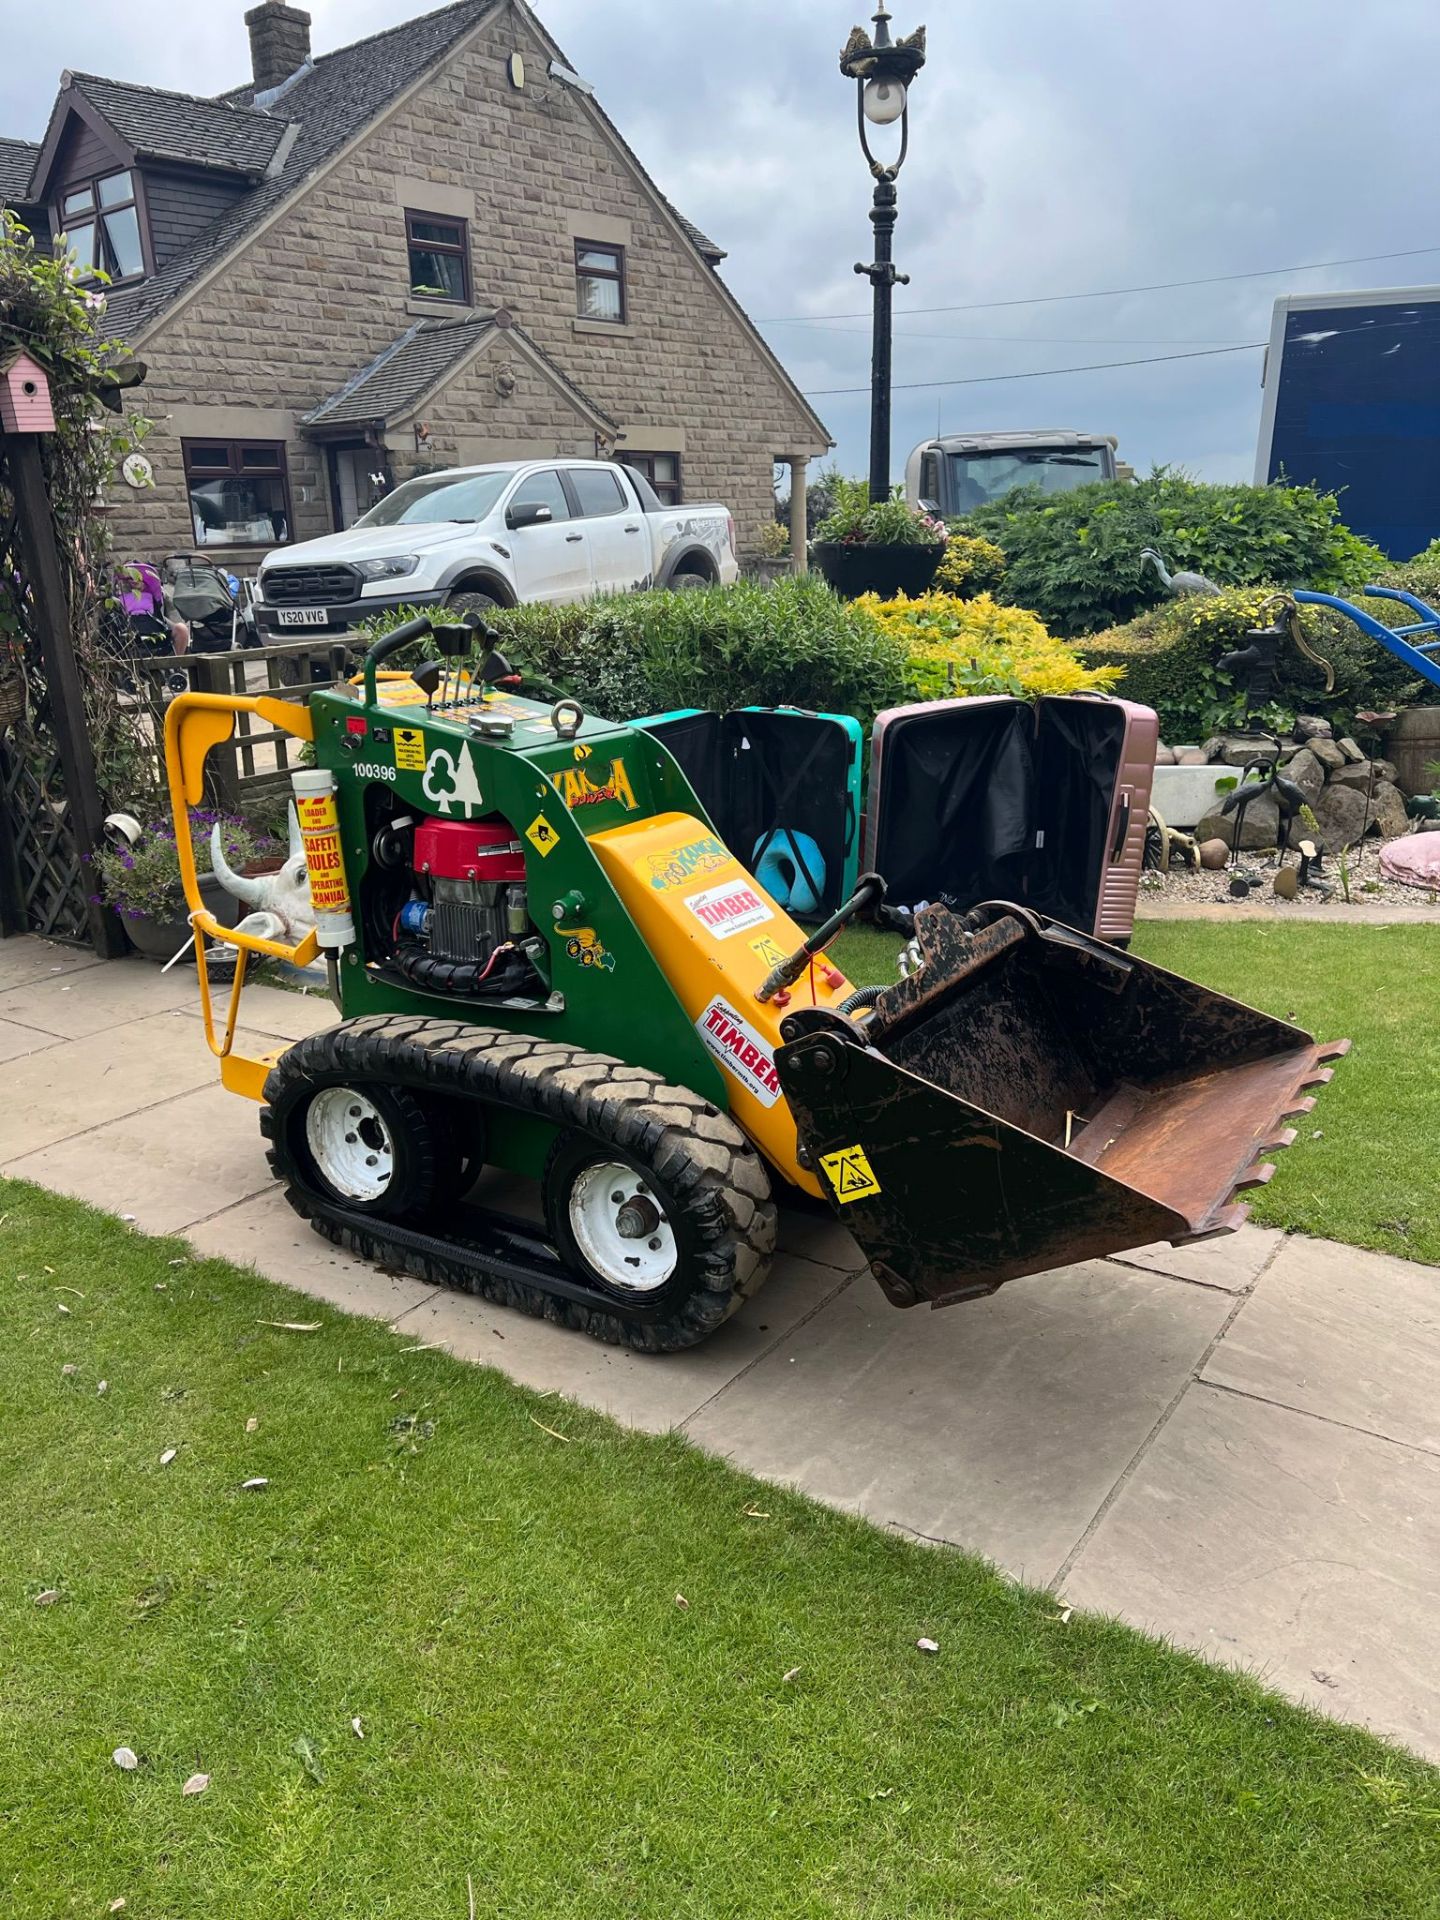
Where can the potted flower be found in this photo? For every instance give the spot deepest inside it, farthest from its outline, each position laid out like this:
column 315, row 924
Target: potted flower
column 140, row 878
column 885, row 547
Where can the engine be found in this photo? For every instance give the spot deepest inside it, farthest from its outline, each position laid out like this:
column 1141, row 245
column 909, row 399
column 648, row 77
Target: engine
column 464, row 930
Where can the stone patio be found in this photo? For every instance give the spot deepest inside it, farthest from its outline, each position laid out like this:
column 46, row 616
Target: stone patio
column 1236, row 1446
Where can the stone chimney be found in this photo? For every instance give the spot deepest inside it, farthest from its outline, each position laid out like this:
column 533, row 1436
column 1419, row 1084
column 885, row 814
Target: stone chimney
column 279, row 42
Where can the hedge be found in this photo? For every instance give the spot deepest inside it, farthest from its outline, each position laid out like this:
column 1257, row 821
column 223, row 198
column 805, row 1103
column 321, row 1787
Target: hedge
column 958, row 647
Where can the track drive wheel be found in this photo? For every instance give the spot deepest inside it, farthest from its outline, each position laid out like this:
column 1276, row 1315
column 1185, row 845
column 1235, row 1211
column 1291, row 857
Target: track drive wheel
column 373, row 1148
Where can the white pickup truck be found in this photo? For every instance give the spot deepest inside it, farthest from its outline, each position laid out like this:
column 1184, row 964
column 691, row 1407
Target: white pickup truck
column 491, row 536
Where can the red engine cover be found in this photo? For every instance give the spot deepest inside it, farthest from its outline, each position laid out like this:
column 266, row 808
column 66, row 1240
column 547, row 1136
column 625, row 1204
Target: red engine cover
column 484, row 850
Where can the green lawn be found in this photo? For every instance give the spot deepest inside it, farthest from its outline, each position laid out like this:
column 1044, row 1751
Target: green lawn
column 499, row 1605
column 1370, row 1178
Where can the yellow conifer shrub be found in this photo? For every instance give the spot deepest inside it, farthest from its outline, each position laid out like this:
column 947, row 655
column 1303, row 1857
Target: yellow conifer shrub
column 958, row 647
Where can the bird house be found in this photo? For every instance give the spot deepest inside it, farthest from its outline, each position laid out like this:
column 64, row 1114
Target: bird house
column 25, row 396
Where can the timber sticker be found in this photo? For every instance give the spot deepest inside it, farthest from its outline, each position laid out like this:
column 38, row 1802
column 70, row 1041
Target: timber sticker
column 850, row 1174
column 542, row 836
column 740, row 1050
column 410, row 749
column 450, row 781
column 729, row 908
column 577, row 789
column 584, row 945
column 682, row 863
column 768, row 951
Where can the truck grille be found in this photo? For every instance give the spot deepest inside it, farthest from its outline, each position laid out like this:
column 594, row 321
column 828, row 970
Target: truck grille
column 309, row 586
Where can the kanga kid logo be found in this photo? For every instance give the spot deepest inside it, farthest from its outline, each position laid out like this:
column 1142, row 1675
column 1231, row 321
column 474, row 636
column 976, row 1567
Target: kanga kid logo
column 577, row 789
column 740, row 1050
column 673, row 869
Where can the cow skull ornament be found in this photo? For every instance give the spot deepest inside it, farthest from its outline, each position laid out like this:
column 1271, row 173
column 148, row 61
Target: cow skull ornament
column 279, row 902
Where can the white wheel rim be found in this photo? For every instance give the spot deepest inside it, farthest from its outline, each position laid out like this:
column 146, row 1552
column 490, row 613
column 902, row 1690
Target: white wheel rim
column 621, row 1227
column 350, row 1144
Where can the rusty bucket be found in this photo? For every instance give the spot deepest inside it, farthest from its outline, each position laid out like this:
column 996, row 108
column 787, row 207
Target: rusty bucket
column 1028, row 1097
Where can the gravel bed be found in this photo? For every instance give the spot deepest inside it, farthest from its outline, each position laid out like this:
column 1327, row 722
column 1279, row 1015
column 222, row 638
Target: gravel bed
column 1368, row 886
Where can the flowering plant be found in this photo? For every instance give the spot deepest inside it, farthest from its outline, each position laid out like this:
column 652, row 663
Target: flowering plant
column 142, row 882
column 855, row 521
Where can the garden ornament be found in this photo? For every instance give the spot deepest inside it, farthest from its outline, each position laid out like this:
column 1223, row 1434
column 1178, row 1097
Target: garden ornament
column 1178, row 584
column 279, row 902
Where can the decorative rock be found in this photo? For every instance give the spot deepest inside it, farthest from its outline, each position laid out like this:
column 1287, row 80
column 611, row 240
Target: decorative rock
column 1190, row 757
column 1309, row 727
column 1341, row 814
column 1286, row 883
column 1164, row 756
column 1307, row 772
column 1387, row 770
column 1214, row 750
column 1326, row 752
column 1214, row 854
column 1387, row 811
column 1241, row 748
column 1350, row 750
column 1354, row 774
column 1261, row 829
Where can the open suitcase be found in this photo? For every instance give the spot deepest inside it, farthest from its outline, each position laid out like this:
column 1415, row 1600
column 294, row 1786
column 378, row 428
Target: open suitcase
column 782, row 787
column 995, row 799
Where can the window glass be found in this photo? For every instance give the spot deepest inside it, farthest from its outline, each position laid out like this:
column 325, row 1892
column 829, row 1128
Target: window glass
column 662, row 470
column 81, row 202
column 599, row 299
column 603, row 258
column 438, row 497
column 230, row 506
column 545, row 490
column 598, row 492
column 599, row 282
column 439, row 252
column 115, row 190
column 122, row 231
column 81, row 236
column 450, row 233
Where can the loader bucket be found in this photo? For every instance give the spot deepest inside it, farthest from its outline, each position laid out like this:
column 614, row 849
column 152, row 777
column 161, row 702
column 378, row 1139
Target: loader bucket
column 1030, row 1097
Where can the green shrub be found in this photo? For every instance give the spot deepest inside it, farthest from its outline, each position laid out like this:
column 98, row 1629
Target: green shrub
column 970, row 566
column 1074, row 558
column 854, row 521
column 965, row 647
column 1167, row 657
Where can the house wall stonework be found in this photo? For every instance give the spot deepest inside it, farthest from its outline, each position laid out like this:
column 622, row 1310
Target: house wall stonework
column 298, row 309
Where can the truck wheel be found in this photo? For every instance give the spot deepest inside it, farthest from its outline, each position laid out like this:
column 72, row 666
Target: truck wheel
column 373, row 1148
column 471, row 602
column 687, row 582
column 650, row 1212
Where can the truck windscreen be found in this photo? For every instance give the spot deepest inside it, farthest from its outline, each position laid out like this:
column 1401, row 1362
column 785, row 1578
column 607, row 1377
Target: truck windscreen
column 976, row 478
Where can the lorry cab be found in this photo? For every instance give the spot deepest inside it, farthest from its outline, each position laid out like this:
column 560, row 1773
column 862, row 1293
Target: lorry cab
column 957, row 473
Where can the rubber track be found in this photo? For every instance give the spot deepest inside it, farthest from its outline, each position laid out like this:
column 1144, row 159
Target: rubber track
column 698, row 1151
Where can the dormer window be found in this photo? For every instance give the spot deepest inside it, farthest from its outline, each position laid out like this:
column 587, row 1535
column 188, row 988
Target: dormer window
column 101, row 223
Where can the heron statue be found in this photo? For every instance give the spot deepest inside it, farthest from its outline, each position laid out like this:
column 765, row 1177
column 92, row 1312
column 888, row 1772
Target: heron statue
column 1180, row 585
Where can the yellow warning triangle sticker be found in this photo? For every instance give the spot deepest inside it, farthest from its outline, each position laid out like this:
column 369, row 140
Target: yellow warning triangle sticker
column 850, row 1174
column 542, row 836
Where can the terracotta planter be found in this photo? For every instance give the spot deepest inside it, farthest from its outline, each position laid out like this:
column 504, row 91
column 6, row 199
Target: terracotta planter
column 853, row 568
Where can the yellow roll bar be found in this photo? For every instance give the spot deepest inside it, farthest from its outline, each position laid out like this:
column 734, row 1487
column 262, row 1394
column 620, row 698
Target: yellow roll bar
column 194, row 723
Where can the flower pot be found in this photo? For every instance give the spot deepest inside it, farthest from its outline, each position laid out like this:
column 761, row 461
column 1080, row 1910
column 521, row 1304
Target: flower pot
column 162, row 939
column 853, row 568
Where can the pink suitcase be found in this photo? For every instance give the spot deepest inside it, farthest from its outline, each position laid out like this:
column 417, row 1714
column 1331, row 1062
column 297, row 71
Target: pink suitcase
column 996, row 799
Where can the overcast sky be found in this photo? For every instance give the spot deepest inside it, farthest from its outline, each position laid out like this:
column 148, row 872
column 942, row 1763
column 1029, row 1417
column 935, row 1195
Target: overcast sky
column 1055, row 149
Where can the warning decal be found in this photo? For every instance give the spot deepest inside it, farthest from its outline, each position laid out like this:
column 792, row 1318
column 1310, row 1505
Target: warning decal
column 542, row 836
column 768, row 950
column 410, row 749
column 850, row 1174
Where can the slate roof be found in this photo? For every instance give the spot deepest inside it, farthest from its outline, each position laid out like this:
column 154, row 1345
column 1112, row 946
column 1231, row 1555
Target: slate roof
column 697, row 239
column 399, row 378
column 179, row 126
column 340, row 94
column 17, row 163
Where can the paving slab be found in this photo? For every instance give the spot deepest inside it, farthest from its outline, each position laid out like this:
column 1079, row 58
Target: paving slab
column 63, row 1090
column 654, row 1392
column 999, row 1425
column 266, row 1233
column 15, row 1040
column 818, row 1236
column 1234, row 1261
column 1349, row 1335
column 25, row 957
column 76, row 1005
column 268, row 1010
column 1302, row 1551
column 167, row 1166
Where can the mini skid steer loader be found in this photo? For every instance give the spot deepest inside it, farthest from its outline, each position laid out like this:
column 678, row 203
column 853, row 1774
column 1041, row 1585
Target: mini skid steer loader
column 546, row 961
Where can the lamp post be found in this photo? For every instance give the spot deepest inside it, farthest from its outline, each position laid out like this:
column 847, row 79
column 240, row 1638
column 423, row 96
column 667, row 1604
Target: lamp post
column 882, row 70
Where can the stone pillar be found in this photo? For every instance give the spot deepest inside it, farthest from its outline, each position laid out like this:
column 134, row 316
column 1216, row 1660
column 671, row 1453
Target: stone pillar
column 798, row 560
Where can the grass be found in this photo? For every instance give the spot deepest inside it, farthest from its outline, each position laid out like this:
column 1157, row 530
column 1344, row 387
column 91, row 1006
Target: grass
column 1369, row 1176
column 491, row 1581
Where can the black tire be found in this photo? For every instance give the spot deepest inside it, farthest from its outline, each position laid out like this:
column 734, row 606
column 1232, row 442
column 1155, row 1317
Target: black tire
column 710, row 1173
column 472, row 600
column 426, row 1154
column 688, row 582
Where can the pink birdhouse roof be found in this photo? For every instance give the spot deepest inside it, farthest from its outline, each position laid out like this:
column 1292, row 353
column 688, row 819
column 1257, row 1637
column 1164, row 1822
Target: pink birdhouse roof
column 22, row 363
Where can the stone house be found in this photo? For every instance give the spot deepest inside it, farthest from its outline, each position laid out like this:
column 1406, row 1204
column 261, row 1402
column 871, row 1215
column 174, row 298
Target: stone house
column 426, row 249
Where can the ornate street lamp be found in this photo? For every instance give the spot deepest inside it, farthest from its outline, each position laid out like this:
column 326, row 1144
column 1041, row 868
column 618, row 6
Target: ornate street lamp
column 882, row 70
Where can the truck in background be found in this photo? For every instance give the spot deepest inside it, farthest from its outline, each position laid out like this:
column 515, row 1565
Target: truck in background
column 1352, row 406
column 958, row 472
